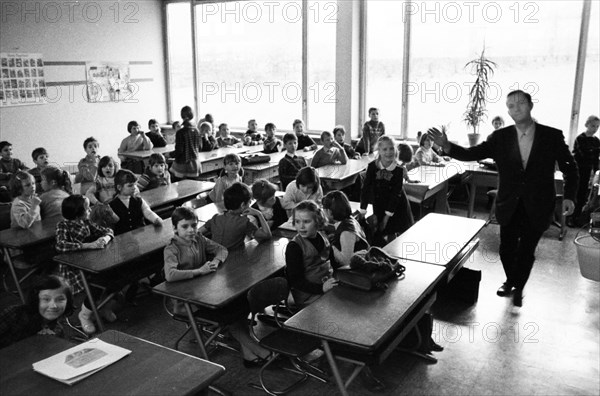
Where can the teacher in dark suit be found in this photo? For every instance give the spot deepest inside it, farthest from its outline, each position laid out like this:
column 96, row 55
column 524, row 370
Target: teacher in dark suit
column 525, row 154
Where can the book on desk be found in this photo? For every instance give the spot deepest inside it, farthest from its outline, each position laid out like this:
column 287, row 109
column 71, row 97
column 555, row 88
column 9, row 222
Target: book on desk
column 81, row 361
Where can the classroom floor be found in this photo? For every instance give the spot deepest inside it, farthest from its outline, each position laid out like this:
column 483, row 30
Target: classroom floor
column 550, row 346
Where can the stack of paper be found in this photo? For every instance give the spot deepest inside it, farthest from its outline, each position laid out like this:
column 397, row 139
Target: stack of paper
column 80, row 361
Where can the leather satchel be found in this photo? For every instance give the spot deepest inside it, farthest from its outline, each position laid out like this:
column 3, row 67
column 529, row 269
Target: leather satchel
column 370, row 270
column 255, row 159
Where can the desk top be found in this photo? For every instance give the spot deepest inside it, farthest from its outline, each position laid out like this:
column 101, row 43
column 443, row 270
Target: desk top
column 366, row 319
column 220, row 153
column 243, row 269
column 431, row 177
column 143, row 154
column 341, row 172
column 276, row 157
column 178, row 191
column 150, row 369
column 435, row 239
column 121, row 250
column 39, row 232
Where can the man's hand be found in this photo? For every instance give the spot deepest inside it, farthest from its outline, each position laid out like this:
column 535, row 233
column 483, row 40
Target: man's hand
column 439, row 138
column 568, row 207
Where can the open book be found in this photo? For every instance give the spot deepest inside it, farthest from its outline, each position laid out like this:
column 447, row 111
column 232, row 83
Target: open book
column 81, row 361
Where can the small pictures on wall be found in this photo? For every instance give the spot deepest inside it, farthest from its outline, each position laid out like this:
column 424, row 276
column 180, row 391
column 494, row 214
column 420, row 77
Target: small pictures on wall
column 22, row 79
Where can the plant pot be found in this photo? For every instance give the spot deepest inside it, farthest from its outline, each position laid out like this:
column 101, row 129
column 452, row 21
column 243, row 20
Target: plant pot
column 473, row 139
column 588, row 255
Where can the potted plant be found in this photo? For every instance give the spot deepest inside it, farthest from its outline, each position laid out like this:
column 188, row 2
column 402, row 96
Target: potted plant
column 483, row 69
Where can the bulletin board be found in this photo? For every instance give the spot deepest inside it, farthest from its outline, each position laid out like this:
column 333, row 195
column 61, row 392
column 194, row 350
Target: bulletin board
column 22, row 79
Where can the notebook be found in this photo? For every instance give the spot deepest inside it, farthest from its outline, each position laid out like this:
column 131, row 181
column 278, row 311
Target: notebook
column 81, row 361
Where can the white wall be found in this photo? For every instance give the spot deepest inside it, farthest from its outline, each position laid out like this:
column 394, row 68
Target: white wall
column 82, row 31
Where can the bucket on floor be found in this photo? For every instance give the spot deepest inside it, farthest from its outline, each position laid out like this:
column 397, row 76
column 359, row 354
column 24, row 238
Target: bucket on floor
column 588, row 255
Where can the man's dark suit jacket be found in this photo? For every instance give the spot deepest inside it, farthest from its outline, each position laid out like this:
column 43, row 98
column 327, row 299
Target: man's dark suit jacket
column 534, row 185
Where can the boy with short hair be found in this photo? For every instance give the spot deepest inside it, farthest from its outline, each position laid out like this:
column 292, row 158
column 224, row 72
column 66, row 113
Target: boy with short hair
column 40, row 159
column 136, row 141
column 155, row 135
column 372, row 131
column 290, row 164
column 207, row 140
column 252, row 136
column 155, row 174
column 225, row 139
column 339, row 132
column 271, row 143
column 8, row 166
column 305, row 142
column 331, row 152
column 87, row 168
column 231, row 228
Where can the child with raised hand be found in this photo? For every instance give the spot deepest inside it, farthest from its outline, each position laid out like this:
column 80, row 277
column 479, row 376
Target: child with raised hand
column 308, row 268
column 132, row 210
column 187, row 147
column 271, row 143
column 290, row 164
column 425, row 154
column 263, row 191
column 349, row 236
column 307, row 186
column 231, row 173
column 155, row 135
column 331, row 153
column 25, row 208
column 87, row 168
column 405, row 155
column 238, row 222
column 339, row 132
column 103, row 189
column 136, row 141
column 156, row 173
column 225, row 139
column 8, row 167
column 207, row 140
column 371, row 132
column 305, row 142
column 383, row 188
column 40, row 159
column 56, row 185
column 77, row 232
column 252, row 136
column 48, row 304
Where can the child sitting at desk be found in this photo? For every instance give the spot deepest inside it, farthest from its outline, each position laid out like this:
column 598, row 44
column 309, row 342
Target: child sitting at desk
column 207, row 140
column 40, row 159
column 383, row 187
column 25, row 208
column 331, row 153
column 231, row 228
column 305, row 142
column 306, row 186
column 49, row 302
column 308, row 269
column 339, row 132
column 269, row 205
column 104, row 188
column 231, row 173
column 77, row 232
column 8, row 167
column 252, row 136
column 425, row 154
column 290, row 164
column 225, row 139
column 87, row 168
column 155, row 135
column 136, row 141
column 349, row 236
column 132, row 210
column 271, row 143
column 156, row 173
column 56, row 185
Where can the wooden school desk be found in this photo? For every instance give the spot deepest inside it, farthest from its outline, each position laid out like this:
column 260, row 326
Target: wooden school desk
column 150, row 369
column 145, row 154
column 175, row 193
column 41, row 232
column 370, row 324
column 338, row 177
column 433, row 181
column 123, row 249
column 213, row 160
column 242, row 269
column 270, row 170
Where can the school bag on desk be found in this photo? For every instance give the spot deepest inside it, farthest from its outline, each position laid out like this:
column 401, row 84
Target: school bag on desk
column 370, row 269
column 255, row 159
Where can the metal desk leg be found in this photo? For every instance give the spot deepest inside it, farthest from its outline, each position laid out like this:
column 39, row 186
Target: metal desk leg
column 88, row 292
column 334, row 368
column 472, row 189
column 11, row 267
column 194, row 325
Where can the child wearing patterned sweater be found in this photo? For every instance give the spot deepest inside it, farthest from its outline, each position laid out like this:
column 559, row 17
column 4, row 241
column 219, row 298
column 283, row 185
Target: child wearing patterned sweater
column 155, row 175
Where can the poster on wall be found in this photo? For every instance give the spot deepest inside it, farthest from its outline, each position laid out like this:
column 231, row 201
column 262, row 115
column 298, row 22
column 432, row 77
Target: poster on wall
column 22, row 79
column 108, row 82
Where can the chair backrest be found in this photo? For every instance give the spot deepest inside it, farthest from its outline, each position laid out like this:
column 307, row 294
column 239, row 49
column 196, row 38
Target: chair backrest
column 266, row 293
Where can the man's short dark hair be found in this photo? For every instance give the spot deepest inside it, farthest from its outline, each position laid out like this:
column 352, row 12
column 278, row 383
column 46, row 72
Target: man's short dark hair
column 525, row 94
